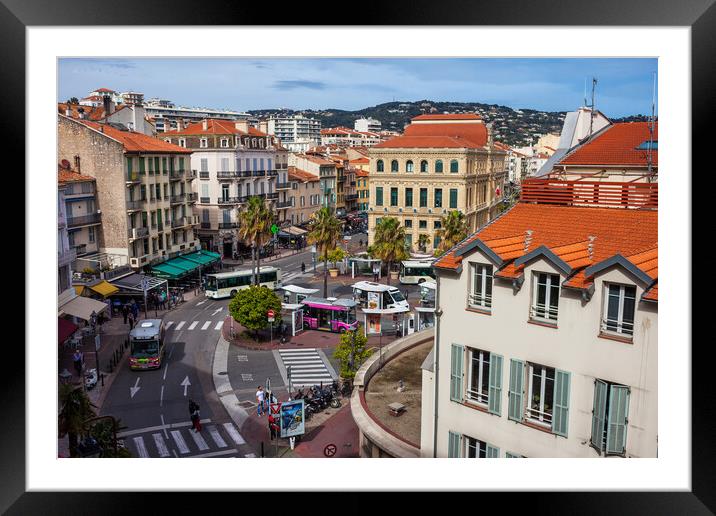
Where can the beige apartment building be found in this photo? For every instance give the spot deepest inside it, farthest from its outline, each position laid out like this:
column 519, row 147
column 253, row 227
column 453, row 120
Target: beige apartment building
column 83, row 219
column 304, row 196
column 561, row 355
column 143, row 191
column 440, row 163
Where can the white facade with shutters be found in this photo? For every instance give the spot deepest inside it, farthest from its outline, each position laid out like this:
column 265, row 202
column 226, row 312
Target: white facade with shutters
column 600, row 382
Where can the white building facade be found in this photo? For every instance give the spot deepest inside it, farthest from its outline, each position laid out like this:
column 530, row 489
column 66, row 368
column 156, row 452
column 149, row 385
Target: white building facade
column 297, row 133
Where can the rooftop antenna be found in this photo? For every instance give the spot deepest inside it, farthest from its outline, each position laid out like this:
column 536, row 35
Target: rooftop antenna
column 651, row 127
column 585, row 91
column 591, row 112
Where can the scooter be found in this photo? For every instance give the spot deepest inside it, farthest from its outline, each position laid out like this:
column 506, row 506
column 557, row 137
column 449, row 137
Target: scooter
column 90, row 378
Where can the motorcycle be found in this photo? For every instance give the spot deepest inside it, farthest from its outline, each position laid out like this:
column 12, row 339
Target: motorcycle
column 91, row 378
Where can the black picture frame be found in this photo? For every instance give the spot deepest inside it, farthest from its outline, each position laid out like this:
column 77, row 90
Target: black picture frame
column 699, row 15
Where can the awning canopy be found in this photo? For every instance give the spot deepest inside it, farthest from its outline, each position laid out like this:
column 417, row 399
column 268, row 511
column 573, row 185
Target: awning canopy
column 65, row 329
column 104, row 288
column 164, row 270
column 133, row 282
column 293, row 230
column 291, row 306
column 295, row 289
column 185, row 264
column 83, row 307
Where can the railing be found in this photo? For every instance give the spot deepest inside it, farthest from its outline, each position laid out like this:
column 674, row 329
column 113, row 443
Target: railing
column 272, row 172
column 205, row 200
column 176, row 199
column 590, row 193
column 179, row 222
column 538, row 416
column 114, row 273
column 245, row 173
column 283, row 204
column 194, row 220
column 479, row 397
column 228, row 225
column 272, row 196
column 545, row 313
column 283, row 186
column 225, row 174
column 135, row 205
column 351, row 197
column 204, row 174
column 192, row 197
column 206, row 225
column 175, row 174
column 190, row 174
column 257, row 173
column 95, row 218
column 80, row 249
column 228, row 200
column 135, row 233
column 617, row 327
column 482, row 301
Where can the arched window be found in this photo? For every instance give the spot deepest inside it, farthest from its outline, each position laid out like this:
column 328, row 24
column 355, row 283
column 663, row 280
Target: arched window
column 409, row 166
column 439, row 165
column 379, row 165
column 394, row 165
column 424, row 166
column 453, row 165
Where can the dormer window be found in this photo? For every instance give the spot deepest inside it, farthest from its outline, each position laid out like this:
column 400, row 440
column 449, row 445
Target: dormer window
column 619, row 303
column 182, row 142
column 203, row 143
column 545, row 297
column 224, row 142
column 481, row 287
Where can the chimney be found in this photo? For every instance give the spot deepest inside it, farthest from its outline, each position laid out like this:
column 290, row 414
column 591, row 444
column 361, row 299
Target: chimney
column 242, row 125
column 107, row 103
column 205, row 124
column 590, row 246
column 81, row 113
column 68, row 111
column 528, row 239
column 77, row 164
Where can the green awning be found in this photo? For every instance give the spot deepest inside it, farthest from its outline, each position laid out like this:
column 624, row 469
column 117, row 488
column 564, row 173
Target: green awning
column 165, row 270
column 199, row 258
column 211, row 254
column 181, row 263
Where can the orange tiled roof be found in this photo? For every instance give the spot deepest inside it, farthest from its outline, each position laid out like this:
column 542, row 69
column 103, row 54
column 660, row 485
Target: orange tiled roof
column 215, row 126
column 296, row 174
column 65, row 176
column 439, row 136
column 615, row 145
column 361, row 173
column 92, row 113
column 360, row 161
column 464, row 116
column 136, row 142
column 565, row 231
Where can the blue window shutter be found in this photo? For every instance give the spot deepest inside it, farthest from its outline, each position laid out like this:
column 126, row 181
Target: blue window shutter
column 599, row 411
column 617, row 424
column 454, row 441
column 516, row 395
column 493, row 452
column 456, row 373
column 494, row 403
column 560, row 415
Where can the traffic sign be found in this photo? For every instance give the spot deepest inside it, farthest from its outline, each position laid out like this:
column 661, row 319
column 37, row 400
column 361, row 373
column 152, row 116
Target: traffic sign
column 274, row 229
column 330, row 450
column 270, row 313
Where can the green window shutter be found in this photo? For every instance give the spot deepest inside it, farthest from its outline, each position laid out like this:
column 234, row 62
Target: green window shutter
column 456, row 372
column 454, row 441
column 493, row 452
column 599, row 411
column 560, row 415
column 517, row 377
column 510, row 455
column 617, row 424
column 494, row 403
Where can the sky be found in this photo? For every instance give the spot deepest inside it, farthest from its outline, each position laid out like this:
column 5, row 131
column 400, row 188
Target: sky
column 624, row 86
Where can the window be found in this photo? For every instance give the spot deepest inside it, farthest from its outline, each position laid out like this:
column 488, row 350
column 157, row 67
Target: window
column 393, row 196
column 90, row 231
column 619, row 303
column 438, row 197
column 545, row 297
column 547, row 402
column 481, row 292
column 437, row 224
column 182, row 142
column 408, row 223
column 475, row 449
column 394, row 165
column 129, row 167
column 423, row 166
column 609, row 417
column 409, row 166
column 453, row 197
column 408, row 197
column 423, row 224
column 453, row 166
column 203, row 143
column 409, row 241
column 540, row 394
column 423, row 197
column 379, row 196
column 141, row 165
column 225, row 142
column 224, row 164
column 436, row 242
column 439, row 166
column 379, row 165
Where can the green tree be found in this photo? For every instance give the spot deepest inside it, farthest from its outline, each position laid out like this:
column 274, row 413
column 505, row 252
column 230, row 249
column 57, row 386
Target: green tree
column 389, row 242
column 351, row 352
column 453, row 229
column 324, row 233
column 250, row 306
column 255, row 221
column 73, row 100
column 336, row 255
column 75, row 409
column 423, row 240
column 105, row 431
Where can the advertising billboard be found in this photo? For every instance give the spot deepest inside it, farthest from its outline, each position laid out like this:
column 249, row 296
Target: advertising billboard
column 292, row 421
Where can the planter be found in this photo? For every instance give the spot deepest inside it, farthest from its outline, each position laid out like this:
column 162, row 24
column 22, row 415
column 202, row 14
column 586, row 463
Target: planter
column 394, row 274
column 333, row 273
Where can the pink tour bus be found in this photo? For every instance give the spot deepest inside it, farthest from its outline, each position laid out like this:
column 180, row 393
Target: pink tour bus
column 336, row 315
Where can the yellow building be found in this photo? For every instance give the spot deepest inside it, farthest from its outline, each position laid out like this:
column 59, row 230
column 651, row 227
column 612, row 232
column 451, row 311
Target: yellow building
column 441, row 163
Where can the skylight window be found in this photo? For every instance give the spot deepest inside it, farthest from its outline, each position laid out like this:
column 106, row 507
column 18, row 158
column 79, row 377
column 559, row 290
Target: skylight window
column 653, row 145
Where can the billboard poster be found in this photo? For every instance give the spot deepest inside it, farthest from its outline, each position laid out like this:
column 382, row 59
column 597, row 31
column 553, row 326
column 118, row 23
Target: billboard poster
column 292, row 422
column 373, row 299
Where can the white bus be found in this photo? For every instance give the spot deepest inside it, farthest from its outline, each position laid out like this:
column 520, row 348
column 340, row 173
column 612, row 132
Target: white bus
column 227, row 284
column 413, row 272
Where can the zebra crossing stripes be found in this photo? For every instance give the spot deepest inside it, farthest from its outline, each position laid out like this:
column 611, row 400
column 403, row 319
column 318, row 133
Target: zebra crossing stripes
column 161, row 446
column 219, row 325
column 179, row 440
column 212, row 441
column 234, row 433
column 141, row 449
column 199, row 440
column 206, row 325
column 307, row 367
column 214, row 432
column 193, row 325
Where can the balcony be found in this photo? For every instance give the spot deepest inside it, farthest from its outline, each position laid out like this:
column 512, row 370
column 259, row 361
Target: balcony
column 206, row 225
column 228, row 200
column 176, row 175
column 272, row 172
column 273, row 196
column 228, row 225
column 133, row 178
column 283, row 204
column 193, row 220
column 135, row 205
column 590, row 193
column 80, row 249
column 135, row 233
column 245, row 173
column 190, row 175
column 177, row 199
column 258, row 173
column 86, row 220
column 179, row 222
column 225, row 175
column 204, row 174
column 66, row 257
column 160, row 226
column 351, row 197
column 192, row 197
column 283, row 186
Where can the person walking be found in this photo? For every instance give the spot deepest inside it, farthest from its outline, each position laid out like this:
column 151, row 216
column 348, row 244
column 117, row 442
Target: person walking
column 303, row 268
column 360, row 242
column 135, row 309
column 260, row 401
column 273, row 426
column 125, row 312
column 77, row 360
column 130, row 319
column 195, row 415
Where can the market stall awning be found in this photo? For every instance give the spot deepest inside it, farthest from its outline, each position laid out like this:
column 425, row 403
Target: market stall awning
column 185, row 264
column 65, row 329
column 199, row 258
column 83, row 307
column 133, row 282
column 164, row 270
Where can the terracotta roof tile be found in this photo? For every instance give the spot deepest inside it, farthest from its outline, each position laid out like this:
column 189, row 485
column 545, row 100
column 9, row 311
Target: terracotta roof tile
column 464, row 116
column 215, row 126
column 296, row 174
column 65, row 176
column 439, row 136
column 615, row 145
column 136, row 142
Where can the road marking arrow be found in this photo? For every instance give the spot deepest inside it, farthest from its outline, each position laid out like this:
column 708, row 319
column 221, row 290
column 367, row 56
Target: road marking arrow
column 133, row 390
column 218, row 310
column 186, row 383
column 201, row 302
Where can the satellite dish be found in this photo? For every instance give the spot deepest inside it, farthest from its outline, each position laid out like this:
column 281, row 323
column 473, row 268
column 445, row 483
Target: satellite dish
column 65, row 163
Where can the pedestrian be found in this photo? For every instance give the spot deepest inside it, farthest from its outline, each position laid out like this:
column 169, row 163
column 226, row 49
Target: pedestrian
column 273, row 427
column 125, row 312
column 303, row 268
column 260, row 401
column 195, row 415
column 135, row 309
column 163, row 300
column 130, row 319
column 77, row 360
column 360, row 242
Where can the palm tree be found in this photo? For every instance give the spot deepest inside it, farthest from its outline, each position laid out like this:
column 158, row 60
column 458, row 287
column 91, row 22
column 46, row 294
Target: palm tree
column 255, row 226
column 76, row 408
column 325, row 232
column 389, row 242
column 423, row 240
column 453, row 229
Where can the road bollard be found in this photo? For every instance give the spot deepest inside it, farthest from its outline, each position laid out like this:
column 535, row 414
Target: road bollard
column 262, row 449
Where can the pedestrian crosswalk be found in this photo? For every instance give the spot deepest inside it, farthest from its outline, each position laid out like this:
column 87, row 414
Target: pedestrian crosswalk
column 180, row 440
column 194, row 325
column 306, row 366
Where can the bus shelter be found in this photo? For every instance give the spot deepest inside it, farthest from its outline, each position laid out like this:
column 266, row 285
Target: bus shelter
column 294, row 294
column 373, row 320
column 292, row 314
column 364, row 266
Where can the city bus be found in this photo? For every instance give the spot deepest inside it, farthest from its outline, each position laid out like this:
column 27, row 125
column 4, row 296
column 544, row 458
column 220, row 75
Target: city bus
column 227, row 284
column 413, row 272
column 336, row 315
column 146, row 344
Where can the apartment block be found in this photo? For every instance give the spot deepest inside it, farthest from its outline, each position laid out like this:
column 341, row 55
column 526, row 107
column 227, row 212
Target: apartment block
column 305, row 195
column 83, row 218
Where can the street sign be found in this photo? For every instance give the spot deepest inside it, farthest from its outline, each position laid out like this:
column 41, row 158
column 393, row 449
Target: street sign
column 274, row 229
column 330, row 450
column 270, row 313
column 292, row 421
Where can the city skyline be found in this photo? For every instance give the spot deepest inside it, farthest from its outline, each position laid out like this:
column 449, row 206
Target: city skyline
column 625, row 86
